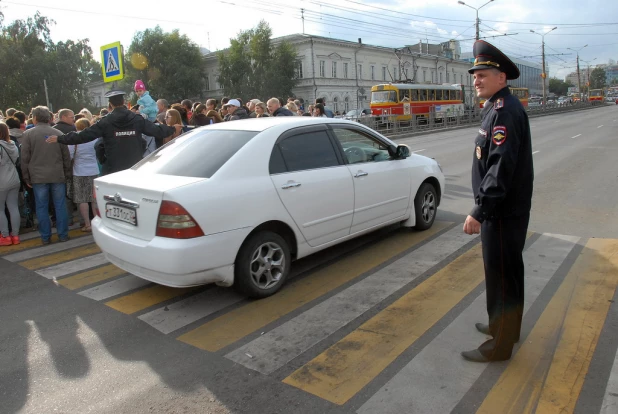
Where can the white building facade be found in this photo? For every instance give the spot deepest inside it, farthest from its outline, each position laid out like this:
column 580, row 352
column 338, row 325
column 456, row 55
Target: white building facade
column 343, row 72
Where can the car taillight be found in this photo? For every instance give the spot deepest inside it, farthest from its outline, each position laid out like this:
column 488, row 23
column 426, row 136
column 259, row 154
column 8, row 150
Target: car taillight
column 96, row 206
column 175, row 222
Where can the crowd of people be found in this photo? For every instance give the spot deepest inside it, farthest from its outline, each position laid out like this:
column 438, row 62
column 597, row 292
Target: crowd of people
column 48, row 161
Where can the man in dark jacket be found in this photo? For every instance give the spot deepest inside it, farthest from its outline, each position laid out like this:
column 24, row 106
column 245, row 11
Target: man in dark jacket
column 234, row 111
column 66, row 124
column 502, row 180
column 121, row 132
column 275, row 108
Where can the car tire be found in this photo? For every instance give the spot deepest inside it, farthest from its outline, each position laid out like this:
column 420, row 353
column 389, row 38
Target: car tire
column 272, row 252
column 425, row 206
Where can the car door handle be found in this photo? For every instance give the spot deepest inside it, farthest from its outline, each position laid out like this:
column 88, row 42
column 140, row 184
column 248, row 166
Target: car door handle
column 290, row 184
column 360, row 174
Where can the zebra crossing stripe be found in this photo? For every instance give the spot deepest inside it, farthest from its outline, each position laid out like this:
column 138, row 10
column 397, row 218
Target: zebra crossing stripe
column 60, row 257
column 234, row 325
column 91, row 277
column 610, row 400
column 541, row 379
column 73, row 266
column 284, row 343
column 438, row 387
column 338, row 373
column 114, row 288
column 146, row 298
column 50, row 248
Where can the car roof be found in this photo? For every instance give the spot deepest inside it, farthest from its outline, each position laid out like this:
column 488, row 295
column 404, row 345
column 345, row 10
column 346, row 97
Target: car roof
column 262, row 124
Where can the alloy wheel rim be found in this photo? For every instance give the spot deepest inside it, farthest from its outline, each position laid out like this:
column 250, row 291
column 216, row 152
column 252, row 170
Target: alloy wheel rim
column 267, row 265
column 428, row 208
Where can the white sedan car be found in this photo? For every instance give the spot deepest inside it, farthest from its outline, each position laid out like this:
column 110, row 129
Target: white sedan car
column 234, row 203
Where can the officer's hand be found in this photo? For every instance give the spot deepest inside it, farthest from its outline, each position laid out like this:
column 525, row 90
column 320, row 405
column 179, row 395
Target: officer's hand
column 51, row 139
column 471, row 226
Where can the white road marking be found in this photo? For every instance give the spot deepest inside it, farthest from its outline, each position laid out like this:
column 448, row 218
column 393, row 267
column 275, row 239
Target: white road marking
column 284, row 343
column 535, row 152
column 578, row 135
column 600, row 126
column 419, row 150
column 73, row 266
column 115, row 287
column 177, row 315
column 610, row 401
column 50, row 248
column 438, row 386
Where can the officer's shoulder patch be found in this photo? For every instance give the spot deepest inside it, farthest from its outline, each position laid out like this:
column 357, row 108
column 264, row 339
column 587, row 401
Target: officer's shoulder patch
column 499, row 103
column 499, row 135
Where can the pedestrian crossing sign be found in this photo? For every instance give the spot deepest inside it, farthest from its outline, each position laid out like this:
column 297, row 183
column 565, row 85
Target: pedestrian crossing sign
column 111, row 62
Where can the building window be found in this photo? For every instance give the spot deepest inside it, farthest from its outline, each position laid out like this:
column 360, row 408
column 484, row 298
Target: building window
column 335, row 104
column 448, row 77
column 461, row 78
column 424, row 75
column 395, row 73
column 322, row 68
column 407, row 77
column 373, row 72
column 440, row 77
column 334, row 69
column 359, row 72
column 383, row 73
column 345, row 70
column 346, row 105
column 207, row 83
column 300, row 70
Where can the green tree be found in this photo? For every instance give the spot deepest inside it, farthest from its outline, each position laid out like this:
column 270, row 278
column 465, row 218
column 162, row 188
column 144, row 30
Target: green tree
column 597, row 78
column 252, row 67
column 29, row 57
column 170, row 64
column 558, row 86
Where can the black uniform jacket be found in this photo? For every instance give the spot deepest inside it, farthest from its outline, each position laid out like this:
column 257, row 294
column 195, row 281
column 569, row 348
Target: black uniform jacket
column 121, row 135
column 502, row 171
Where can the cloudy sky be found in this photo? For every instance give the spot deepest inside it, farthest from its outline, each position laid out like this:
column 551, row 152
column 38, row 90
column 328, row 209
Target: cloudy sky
column 394, row 23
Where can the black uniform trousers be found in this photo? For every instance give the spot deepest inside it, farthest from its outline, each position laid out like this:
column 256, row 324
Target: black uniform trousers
column 503, row 241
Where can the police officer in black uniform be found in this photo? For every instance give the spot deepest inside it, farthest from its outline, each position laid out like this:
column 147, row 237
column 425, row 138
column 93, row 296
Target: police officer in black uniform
column 502, row 179
column 122, row 145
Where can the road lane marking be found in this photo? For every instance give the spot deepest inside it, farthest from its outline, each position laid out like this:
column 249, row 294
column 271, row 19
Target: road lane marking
column 600, row 126
column 341, row 371
column 548, row 371
column 610, row 400
column 535, row 152
column 91, row 277
column 115, row 287
column 48, row 249
column 180, row 314
column 439, row 387
column 578, row 135
column 273, row 350
column 146, row 298
column 60, row 257
column 234, row 325
column 78, row 265
column 36, row 242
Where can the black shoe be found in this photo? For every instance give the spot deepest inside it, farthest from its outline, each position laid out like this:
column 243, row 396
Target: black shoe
column 482, row 328
column 476, row 356
column 64, row 239
column 45, row 242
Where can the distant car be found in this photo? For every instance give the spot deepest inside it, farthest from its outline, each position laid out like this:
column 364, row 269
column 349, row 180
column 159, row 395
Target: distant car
column 357, row 113
column 610, row 99
column 234, row 203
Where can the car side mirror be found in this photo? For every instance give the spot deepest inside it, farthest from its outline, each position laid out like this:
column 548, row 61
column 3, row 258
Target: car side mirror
column 403, row 151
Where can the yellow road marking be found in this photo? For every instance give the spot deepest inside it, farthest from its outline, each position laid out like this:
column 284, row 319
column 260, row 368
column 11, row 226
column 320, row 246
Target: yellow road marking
column 240, row 322
column 91, row 276
column 60, row 257
column 27, row 244
column 535, row 381
column 145, row 298
column 346, row 367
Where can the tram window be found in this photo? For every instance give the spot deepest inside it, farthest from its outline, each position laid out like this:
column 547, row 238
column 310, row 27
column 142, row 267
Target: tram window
column 415, row 95
column 422, row 95
column 404, row 95
column 432, row 95
column 440, row 95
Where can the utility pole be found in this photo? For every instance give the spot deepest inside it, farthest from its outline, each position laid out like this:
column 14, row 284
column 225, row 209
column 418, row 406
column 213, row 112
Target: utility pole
column 579, row 80
column 543, row 73
column 588, row 62
column 478, row 21
column 302, row 14
column 46, row 95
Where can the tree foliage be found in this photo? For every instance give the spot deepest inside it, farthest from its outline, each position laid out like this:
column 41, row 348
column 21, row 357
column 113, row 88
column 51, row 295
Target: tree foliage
column 253, row 67
column 29, row 56
column 558, row 86
column 170, row 64
column 597, row 78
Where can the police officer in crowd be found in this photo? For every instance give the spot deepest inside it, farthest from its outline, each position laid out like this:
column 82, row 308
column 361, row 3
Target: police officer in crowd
column 121, row 135
column 502, row 179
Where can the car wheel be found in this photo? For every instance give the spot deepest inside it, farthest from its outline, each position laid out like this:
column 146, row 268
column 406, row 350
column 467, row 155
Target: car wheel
column 425, row 206
column 262, row 265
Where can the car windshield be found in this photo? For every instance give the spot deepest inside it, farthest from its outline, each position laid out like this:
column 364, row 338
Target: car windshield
column 353, row 112
column 199, row 153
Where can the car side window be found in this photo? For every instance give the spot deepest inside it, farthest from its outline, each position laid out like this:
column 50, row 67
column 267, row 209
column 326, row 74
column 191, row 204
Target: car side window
column 359, row 148
column 308, row 151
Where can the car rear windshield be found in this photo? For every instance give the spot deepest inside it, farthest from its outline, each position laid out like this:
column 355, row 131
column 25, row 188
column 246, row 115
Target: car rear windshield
column 198, row 153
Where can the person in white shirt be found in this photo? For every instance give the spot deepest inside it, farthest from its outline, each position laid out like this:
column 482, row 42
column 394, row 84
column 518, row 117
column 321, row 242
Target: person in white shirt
column 85, row 170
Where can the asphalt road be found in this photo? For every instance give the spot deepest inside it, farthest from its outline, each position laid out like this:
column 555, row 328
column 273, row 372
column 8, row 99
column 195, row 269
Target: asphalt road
column 372, row 326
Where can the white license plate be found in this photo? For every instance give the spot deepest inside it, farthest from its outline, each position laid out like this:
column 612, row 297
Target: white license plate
column 120, row 213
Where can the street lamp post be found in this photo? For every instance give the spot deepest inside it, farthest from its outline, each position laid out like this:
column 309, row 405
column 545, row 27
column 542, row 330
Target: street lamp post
column 579, row 81
column 477, row 14
column 588, row 62
column 543, row 73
